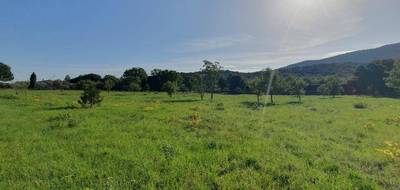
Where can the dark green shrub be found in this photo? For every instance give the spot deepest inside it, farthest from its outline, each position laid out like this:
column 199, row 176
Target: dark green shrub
column 90, row 96
column 220, row 107
column 360, row 105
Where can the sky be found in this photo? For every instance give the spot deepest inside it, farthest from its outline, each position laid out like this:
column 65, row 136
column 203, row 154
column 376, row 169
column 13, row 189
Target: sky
column 54, row 38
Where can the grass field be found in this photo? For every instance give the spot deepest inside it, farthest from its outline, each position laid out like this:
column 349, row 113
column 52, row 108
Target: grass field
column 151, row 141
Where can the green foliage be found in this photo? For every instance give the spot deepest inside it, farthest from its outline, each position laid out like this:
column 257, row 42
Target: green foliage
column 5, row 72
column 332, row 86
column 170, row 87
column 134, row 79
column 159, row 77
column 95, row 78
column 393, row 80
column 90, row 96
column 199, row 84
column 109, row 82
column 64, row 120
column 32, row 81
column 212, row 73
column 370, row 78
column 296, row 87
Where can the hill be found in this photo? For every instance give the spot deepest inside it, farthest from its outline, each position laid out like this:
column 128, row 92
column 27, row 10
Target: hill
column 340, row 69
column 391, row 51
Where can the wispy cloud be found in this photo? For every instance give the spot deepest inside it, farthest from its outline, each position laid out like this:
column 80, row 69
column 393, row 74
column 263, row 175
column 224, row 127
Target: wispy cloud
column 199, row 45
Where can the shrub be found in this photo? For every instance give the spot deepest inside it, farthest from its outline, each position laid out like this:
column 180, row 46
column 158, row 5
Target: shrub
column 220, row 107
column 170, row 88
column 360, row 105
column 63, row 120
column 90, row 96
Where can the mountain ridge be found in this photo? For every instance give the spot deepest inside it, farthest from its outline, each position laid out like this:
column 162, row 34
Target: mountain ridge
column 390, row 51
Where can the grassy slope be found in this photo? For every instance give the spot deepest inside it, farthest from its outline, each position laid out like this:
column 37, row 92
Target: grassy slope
column 149, row 141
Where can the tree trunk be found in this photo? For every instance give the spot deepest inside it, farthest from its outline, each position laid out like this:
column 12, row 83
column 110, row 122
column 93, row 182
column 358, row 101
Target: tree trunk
column 299, row 98
column 271, row 99
column 212, row 95
column 258, row 99
column 202, row 95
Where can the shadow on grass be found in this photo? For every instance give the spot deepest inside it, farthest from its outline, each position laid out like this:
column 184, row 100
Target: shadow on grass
column 294, row 103
column 255, row 105
column 9, row 97
column 63, row 108
column 180, row 101
column 331, row 97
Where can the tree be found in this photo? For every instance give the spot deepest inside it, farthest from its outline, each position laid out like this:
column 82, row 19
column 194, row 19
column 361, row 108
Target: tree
column 90, row 96
column 109, row 82
column 259, row 87
column 297, row 86
column 91, row 77
column 236, row 84
column 211, row 71
column 32, row 81
column 159, row 77
column 332, row 87
column 199, row 84
column 5, row 72
column 134, row 75
column 170, row 87
column 108, row 85
column 370, row 78
column 67, row 78
column 393, row 80
column 275, row 83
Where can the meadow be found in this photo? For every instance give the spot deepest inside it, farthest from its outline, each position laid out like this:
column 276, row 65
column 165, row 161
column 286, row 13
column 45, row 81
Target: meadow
column 151, row 141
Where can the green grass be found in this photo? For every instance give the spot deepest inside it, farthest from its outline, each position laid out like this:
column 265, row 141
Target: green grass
column 151, row 141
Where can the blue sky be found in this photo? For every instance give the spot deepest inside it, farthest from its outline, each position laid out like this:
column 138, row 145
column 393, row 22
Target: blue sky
column 54, row 38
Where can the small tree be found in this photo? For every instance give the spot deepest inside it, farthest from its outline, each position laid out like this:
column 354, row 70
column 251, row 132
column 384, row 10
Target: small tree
column 259, row 87
column 32, row 81
column 393, row 80
column 199, row 84
column 67, row 78
column 211, row 71
column 169, row 87
column 5, row 72
column 109, row 84
column 90, row 96
column 274, row 83
column 297, row 86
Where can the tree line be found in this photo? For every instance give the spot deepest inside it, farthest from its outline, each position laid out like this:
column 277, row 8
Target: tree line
column 379, row 78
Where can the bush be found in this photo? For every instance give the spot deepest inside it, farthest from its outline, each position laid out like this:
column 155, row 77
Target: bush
column 360, row 105
column 220, row 107
column 63, row 120
column 170, row 88
column 90, row 96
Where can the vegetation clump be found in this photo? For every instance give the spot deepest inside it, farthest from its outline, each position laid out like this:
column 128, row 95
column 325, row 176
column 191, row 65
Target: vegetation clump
column 63, row 120
column 90, row 96
column 169, row 87
column 360, row 105
column 220, row 107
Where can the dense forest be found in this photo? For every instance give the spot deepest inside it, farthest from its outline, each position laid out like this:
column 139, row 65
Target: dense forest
column 337, row 78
